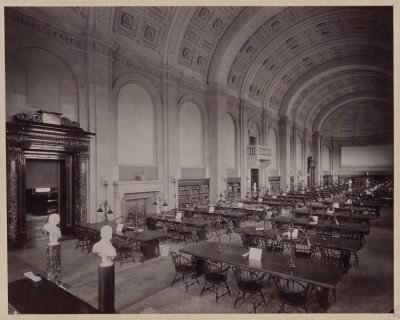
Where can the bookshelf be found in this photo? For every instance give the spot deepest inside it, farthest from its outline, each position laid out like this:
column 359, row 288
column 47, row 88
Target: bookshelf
column 193, row 192
column 327, row 180
column 275, row 184
column 233, row 188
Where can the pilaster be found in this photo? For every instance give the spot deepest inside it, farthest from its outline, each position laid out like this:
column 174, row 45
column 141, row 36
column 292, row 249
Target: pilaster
column 284, row 149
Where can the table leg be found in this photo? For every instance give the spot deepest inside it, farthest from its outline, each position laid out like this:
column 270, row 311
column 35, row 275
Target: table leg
column 150, row 250
column 323, row 298
column 346, row 255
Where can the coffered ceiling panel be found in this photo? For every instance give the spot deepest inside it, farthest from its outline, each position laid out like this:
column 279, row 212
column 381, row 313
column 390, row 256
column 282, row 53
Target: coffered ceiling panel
column 299, row 43
column 202, row 35
column 142, row 26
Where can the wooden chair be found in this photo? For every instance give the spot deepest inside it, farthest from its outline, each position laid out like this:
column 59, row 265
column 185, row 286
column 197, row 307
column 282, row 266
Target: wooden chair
column 250, row 286
column 185, row 270
column 124, row 248
column 81, row 235
column 303, row 249
column 93, row 237
column 292, row 292
column 216, row 279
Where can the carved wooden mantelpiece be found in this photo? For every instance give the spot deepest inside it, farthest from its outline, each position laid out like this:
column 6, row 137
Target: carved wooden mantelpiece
column 34, row 140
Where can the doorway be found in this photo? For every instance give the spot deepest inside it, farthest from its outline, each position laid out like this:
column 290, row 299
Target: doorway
column 254, row 178
column 45, row 194
column 46, row 191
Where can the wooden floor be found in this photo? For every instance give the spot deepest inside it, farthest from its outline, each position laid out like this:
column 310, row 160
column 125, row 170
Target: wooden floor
column 145, row 287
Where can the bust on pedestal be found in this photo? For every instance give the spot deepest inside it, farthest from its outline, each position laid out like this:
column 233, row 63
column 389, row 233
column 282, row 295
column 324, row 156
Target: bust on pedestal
column 52, row 229
column 107, row 253
column 349, row 183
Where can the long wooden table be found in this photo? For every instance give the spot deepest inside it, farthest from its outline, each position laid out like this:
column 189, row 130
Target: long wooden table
column 346, row 208
column 342, row 216
column 192, row 222
column 346, row 244
column 306, row 270
column 229, row 213
column 149, row 239
column 357, row 230
column 274, row 203
column 44, row 297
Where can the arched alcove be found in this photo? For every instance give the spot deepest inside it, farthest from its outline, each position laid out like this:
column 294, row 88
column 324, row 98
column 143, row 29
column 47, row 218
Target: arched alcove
column 191, row 136
column 229, row 137
column 37, row 79
column 136, row 126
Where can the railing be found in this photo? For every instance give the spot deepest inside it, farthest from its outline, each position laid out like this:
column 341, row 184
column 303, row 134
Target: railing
column 259, row 153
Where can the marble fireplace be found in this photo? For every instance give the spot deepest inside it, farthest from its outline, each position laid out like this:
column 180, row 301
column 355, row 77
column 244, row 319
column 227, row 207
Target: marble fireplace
column 138, row 205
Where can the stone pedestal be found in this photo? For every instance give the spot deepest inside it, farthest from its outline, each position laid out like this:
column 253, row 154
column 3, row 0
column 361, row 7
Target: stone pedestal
column 54, row 263
column 107, row 289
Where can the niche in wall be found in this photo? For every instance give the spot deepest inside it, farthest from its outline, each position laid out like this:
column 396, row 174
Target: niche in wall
column 191, row 136
column 136, row 126
column 228, row 148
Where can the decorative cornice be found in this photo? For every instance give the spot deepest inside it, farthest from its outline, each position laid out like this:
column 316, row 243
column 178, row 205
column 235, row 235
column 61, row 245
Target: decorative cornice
column 53, row 33
column 139, row 67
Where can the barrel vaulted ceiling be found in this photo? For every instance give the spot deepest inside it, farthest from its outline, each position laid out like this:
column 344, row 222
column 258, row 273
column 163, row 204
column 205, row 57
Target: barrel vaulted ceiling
column 310, row 64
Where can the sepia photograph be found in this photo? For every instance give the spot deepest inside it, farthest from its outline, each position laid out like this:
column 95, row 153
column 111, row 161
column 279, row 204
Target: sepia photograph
column 199, row 159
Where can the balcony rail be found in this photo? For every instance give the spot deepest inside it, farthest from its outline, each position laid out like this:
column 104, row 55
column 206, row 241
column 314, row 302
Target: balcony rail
column 259, row 153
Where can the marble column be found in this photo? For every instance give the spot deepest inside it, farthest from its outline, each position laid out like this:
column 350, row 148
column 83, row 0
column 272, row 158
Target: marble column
column 54, row 263
column 13, row 207
column 81, row 187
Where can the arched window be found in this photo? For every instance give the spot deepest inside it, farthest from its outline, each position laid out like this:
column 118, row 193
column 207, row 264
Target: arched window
column 253, row 133
column 136, row 138
column 229, row 137
column 191, row 144
column 325, row 155
column 273, row 144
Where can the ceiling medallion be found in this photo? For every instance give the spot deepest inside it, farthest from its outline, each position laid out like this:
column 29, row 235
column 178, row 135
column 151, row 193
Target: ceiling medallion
column 201, row 61
column 250, row 49
column 217, row 24
column 127, row 20
column 186, row 53
column 203, row 13
column 149, row 33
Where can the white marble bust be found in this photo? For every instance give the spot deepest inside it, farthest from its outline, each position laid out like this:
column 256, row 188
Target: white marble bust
column 52, row 229
column 350, row 182
column 104, row 248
